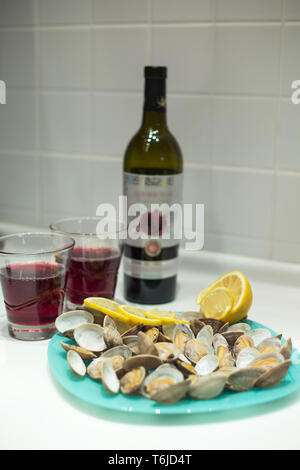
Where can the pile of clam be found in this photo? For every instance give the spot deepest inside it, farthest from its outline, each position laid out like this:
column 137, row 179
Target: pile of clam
column 167, row 363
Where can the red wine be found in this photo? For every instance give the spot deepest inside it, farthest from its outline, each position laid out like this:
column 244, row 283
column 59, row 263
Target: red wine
column 33, row 293
column 93, row 272
column 152, row 175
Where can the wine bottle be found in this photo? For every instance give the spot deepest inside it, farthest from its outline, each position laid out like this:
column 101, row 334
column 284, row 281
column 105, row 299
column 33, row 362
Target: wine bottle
column 153, row 167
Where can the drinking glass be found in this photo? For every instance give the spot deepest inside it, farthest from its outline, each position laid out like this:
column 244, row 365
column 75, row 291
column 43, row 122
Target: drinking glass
column 33, row 269
column 95, row 260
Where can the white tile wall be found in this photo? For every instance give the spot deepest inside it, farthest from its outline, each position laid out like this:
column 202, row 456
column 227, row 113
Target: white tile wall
column 74, row 76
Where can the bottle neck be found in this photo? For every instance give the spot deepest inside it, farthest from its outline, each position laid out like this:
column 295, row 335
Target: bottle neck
column 155, row 104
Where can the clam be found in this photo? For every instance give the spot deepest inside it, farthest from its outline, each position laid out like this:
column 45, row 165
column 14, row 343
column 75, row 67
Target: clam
column 205, row 335
column 68, row 321
column 83, row 353
column 213, row 322
column 148, row 361
column 94, row 368
column 162, row 377
column 168, row 330
column 246, row 356
column 167, row 352
column 171, row 394
column 132, row 342
column 98, row 316
column 121, row 350
column 132, row 380
column 269, row 345
column 112, row 337
column 90, row 336
column 207, row 387
column 239, row 327
column 76, row 363
column 109, row 377
column 274, row 375
column 153, row 333
column 194, row 350
column 189, row 315
column 146, row 345
column 244, row 379
column 222, row 351
column 267, row 361
column 227, row 370
column 286, row 350
column 232, row 336
column 108, row 321
column 181, row 335
column 259, row 334
column 184, row 367
column 207, row 364
column 244, row 341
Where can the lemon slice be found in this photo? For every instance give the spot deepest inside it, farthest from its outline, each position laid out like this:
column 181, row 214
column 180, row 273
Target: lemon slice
column 240, row 288
column 217, row 303
column 136, row 315
column 164, row 316
column 107, row 306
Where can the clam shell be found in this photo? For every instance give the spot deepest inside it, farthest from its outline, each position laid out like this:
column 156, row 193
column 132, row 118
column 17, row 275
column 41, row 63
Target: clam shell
column 244, row 379
column 207, row 364
column 269, row 345
column 194, row 350
column 286, row 350
column 245, row 357
column 146, row 345
column 239, row 327
column 76, row 363
column 259, row 334
column 109, row 377
column 94, row 368
column 205, row 335
column 68, row 321
column 173, row 393
column 132, row 380
column 153, row 333
column 164, row 372
column 132, row 342
column 167, row 352
column 244, row 341
column 122, row 350
column 90, row 336
column 148, row 361
column 267, row 361
column 273, row 376
column 185, row 368
column 232, row 336
column 207, row 387
column 83, row 353
column 214, row 323
column 181, row 334
column 112, row 337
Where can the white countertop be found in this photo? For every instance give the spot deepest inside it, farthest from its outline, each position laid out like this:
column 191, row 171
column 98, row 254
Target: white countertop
column 35, row 413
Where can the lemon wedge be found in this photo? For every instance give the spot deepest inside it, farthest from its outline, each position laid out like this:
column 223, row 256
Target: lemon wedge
column 136, row 315
column 239, row 287
column 106, row 306
column 217, row 303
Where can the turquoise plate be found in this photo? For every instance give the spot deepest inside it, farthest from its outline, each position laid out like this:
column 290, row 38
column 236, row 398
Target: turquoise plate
column 93, row 392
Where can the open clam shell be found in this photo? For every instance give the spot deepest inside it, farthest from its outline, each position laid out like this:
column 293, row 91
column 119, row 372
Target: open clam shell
column 132, row 342
column 111, row 335
column 76, row 363
column 181, row 335
column 269, row 345
column 274, row 375
column 162, row 377
column 205, row 335
column 173, row 393
column 83, row 353
column 68, row 321
column 132, row 380
column 207, row 387
column 244, row 379
column 239, row 327
column 207, row 364
column 244, row 341
column 259, row 334
column 167, row 352
column 109, row 377
column 267, row 361
column 90, row 336
column 246, row 356
column 146, row 345
column 148, row 361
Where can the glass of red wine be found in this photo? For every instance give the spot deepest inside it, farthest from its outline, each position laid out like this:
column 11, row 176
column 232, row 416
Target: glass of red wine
column 33, row 274
column 95, row 260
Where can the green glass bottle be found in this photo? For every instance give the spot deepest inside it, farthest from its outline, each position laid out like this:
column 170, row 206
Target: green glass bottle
column 153, row 167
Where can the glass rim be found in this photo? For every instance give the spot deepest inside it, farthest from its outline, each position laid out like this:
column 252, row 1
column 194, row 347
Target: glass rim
column 54, row 227
column 70, row 244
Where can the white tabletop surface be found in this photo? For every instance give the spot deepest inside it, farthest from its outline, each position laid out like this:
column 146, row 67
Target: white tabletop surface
column 35, row 413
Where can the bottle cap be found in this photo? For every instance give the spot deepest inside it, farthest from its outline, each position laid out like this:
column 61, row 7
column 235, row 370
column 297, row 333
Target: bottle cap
column 155, row 72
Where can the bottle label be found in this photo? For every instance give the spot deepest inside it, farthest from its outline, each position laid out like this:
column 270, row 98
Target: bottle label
column 152, row 255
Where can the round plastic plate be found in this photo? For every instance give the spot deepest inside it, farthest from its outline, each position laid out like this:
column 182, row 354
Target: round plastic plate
column 94, row 393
